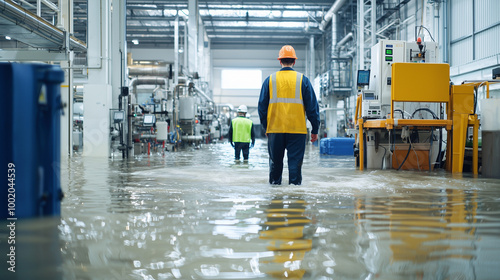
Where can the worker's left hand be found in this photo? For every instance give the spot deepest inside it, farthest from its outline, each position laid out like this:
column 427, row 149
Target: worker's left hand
column 314, row 137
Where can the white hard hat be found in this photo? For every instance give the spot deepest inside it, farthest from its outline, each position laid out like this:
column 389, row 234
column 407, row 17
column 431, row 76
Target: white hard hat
column 242, row 109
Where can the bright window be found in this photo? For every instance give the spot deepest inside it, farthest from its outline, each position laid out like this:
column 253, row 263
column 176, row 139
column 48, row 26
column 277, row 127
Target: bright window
column 241, row 79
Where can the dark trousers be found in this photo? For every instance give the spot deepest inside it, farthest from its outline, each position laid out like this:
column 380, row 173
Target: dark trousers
column 295, row 145
column 241, row 147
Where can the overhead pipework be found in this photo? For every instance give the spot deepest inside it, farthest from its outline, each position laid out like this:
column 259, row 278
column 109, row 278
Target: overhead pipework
column 22, row 25
column 333, row 10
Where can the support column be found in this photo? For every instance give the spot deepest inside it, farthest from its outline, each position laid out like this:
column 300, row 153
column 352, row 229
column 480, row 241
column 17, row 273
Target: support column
column 445, row 38
column 97, row 94
column 176, row 51
column 200, row 62
column 118, row 49
column 185, row 45
column 312, row 64
column 65, row 21
column 373, row 19
column 361, row 34
column 192, row 64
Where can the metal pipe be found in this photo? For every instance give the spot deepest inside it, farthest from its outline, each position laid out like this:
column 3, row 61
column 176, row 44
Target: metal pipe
column 23, row 18
column 51, row 5
column 146, row 81
column 387, row 26
column 334, row 34
column 137, row 70
column 328, row 16
column 344, row 40
column 351, row 53
column 192, row 137
column 203, row 94
column 28, row 4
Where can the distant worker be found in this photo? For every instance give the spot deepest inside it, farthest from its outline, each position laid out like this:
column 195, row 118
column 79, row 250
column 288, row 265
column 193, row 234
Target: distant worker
column 286, row 98
column 241, row 133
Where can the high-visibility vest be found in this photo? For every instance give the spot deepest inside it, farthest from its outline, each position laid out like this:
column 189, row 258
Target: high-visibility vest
column 286, row 113
column 242, row 130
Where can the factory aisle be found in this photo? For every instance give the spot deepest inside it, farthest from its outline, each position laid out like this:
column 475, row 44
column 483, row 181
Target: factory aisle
column 198, row 214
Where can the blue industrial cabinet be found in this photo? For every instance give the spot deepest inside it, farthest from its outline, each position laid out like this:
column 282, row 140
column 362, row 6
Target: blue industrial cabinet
column 30, row 153
column 337, row 146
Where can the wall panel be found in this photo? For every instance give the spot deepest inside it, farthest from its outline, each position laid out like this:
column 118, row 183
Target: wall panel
column 487, row 43
column 461, row 52
column 461, row 18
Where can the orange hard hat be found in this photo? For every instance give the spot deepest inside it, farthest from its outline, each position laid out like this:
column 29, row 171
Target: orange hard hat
column 287, row 51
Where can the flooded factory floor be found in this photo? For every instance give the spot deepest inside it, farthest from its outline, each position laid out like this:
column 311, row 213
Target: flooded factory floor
column 199, row 214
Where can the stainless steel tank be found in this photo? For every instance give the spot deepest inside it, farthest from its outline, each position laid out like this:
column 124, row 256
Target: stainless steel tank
column 187, row 107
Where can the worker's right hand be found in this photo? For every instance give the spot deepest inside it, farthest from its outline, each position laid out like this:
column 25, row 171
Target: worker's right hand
column 314, row 137
column 232, row 144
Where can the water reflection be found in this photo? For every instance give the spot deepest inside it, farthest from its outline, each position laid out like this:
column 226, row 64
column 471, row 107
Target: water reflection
column 432, row 235
column 285, row 229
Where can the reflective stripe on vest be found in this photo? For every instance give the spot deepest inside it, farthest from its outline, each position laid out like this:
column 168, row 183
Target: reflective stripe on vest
column 297, row 99
column 242, row 130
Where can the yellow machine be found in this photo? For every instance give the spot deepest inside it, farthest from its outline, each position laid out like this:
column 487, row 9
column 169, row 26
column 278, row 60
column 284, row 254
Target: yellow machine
column 415, row 140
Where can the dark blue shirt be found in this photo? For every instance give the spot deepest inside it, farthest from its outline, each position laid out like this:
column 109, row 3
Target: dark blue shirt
column 308, row 97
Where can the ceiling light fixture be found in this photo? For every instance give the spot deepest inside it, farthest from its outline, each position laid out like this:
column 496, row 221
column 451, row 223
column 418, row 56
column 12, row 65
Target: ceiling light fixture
column 8, row 38
column 135, row 42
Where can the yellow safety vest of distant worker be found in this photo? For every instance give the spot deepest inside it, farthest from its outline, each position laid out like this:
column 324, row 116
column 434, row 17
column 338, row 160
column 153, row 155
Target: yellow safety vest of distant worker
column 242, row 130
column 241, row 133
column 286, row 109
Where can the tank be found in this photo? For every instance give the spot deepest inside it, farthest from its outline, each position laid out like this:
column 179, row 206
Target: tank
column 187, row 107
column 161, row 131
column 490, row 124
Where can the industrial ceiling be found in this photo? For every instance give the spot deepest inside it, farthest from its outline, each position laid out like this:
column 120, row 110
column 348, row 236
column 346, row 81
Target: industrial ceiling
column 246, row 22
column 150, row 23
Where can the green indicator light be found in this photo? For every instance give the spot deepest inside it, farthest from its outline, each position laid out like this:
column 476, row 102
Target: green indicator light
column 388, row 58
column 388, row 51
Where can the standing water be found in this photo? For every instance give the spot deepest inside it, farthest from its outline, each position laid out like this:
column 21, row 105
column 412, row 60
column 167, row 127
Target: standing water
column 199, row 214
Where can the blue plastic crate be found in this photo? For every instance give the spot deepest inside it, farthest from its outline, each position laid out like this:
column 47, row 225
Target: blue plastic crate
column 339, row 146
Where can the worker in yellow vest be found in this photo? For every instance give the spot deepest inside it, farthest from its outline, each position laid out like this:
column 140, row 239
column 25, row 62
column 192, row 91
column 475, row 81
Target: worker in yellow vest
column 241, row 133
column 286, row 98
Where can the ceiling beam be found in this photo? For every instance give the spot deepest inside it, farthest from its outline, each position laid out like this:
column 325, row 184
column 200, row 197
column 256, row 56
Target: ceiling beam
column 221, row 18
column 273, row 7
column 232, row 2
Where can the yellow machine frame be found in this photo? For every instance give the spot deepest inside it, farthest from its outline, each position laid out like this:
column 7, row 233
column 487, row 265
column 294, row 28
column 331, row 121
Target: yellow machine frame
column 429, row 82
